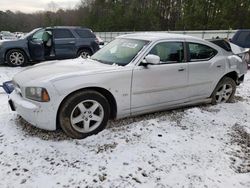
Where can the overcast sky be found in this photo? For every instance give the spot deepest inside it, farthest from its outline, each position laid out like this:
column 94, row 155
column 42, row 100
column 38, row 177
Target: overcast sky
column 29, row 6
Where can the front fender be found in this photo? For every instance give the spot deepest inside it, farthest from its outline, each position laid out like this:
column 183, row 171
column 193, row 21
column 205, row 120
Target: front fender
column 117, row 83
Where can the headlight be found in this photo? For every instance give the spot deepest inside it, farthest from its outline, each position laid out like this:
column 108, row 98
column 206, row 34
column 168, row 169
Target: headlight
column 37, row 94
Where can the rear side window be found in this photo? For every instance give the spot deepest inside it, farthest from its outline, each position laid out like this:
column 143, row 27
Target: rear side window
column 85, row 33
column 200, row 52
column 62, row 33
column 169, row 52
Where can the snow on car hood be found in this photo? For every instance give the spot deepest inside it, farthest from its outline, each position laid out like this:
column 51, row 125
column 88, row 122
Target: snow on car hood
column 52, row 70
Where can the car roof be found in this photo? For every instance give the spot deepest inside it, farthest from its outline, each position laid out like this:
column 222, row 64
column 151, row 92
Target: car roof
column 153, row 36
column 67, row 27
column 156, row 36
column 239, row 30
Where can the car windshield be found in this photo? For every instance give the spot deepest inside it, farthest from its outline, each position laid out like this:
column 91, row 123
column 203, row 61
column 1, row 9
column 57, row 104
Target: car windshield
column 31, row 33
column 120, row 51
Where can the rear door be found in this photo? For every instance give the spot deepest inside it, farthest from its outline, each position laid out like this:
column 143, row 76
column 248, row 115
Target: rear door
column 206, row 66
column 64, row 43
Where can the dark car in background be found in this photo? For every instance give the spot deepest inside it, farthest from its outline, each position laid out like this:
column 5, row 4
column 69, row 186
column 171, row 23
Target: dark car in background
column 61, row 42
column 242, row 39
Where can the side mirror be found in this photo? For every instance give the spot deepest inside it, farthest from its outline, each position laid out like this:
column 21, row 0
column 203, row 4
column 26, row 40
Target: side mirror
column 151, row 60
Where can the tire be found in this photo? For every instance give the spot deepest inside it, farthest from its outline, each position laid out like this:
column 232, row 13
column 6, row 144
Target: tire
column 224, row 91
column 16, row 58
column 76, row 117
column 84, row 53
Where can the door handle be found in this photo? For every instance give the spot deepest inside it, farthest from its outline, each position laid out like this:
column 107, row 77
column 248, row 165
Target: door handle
column 72, row 42
column 181, row 69
column 218, row 66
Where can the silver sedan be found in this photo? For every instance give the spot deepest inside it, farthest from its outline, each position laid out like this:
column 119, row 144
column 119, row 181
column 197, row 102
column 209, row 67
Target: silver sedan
column 134, row 74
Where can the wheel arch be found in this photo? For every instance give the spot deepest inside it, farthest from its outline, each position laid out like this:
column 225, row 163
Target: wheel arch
column 85, row 48
column 232, row 75
column 107, row 94
column 17, row 48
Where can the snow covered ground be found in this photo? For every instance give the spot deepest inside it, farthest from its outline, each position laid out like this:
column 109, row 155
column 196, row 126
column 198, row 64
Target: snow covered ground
column 203, row 146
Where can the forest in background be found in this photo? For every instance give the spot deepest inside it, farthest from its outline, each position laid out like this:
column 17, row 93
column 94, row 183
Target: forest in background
column 137, row 15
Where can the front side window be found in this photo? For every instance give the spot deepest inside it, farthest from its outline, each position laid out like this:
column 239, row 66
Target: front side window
column 119, row 51
column 62, row 33
column 38, row 36
column 169, row 52
column 200, row 52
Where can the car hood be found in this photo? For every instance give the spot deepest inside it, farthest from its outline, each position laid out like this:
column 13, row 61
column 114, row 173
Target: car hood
column 11, row 43
column 61, row 69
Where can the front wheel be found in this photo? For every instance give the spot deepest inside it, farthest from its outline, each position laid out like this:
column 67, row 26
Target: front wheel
column 16, row 58
column 224, row 91
column 83, row 114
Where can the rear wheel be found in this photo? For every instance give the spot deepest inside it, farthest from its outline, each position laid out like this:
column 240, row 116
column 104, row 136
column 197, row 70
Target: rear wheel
column 83, row 114
column 16, row 58
column 224, row 91
column 84, row 53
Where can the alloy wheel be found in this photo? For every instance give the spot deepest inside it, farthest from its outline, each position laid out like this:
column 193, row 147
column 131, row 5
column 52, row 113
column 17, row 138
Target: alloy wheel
column 87, row 116
column 84, row 54
column 16, row 58
column 224, row 92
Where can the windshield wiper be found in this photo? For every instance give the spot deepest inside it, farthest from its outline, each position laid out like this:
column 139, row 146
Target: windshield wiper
column 98, row 60
column 101, row 61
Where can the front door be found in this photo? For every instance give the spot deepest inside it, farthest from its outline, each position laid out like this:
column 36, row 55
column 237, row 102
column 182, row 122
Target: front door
column 36, row 46
column 157, row 87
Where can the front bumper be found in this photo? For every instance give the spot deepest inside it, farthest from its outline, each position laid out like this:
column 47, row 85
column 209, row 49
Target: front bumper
column 40, row 115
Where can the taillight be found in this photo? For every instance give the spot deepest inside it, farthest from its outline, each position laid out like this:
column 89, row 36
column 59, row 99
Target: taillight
column 97, row 40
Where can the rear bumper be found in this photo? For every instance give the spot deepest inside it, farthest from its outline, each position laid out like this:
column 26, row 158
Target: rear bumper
column 40, row 115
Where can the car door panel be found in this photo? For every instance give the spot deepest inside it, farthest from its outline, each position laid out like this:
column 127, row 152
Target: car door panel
column 65, row 43
column 36, row 50
column 203, row 76
column 65, row 48
column 157, row 86
column 204, row 73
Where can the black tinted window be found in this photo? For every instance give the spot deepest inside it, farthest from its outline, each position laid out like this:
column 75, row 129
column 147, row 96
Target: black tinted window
column 200, row 52
column 62, row 33
column 244, row 39
column 85, row 33
column 169, row 52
